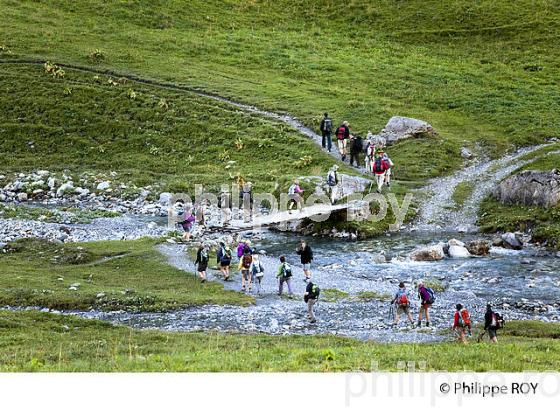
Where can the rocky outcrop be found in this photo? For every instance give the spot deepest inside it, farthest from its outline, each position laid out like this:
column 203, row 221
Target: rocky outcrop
column 400, row 128
column 478, row 247
column 429, row 254
column 530, row 188
column 511, row 241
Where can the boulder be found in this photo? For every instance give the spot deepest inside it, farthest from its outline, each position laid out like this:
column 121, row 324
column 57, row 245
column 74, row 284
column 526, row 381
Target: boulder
column 511, row 241
column 67, row 186
column 498, row 242
column 102, row 186
column 455, row 242
column 466, row 153
column 165, row 197
column 399, row 128
column 478, row 247
column 3, row 198
column 456, row 251
column 530, row 188
column 22, row 197
column 428, row 254
column 51, row 182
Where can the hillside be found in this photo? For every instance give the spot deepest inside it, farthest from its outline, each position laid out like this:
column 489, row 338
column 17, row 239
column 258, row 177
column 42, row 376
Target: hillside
column 483, row 74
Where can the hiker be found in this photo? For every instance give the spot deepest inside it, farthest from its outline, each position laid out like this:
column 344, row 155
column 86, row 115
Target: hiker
column 246, row 200
column 200, row 215
column 492, row 322
column 356, row 150
column 389, row 165
column 342, row 134
column 461, row 322
column 223, row 257
column 188, row 222
column 326, row 129
column 306, row 256
column 202, row 261
column 379, row 167
column 245, row 269
column 240, row 248
column 224, row 204
column 284, row 275
column 295, row 198
column 310, row 297
column 402, row 301
column 257, row 271
column 427, row 298
column 370, row 152
column 332, row 183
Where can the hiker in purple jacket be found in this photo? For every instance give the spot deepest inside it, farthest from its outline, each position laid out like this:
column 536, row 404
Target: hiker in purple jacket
column 427, row 298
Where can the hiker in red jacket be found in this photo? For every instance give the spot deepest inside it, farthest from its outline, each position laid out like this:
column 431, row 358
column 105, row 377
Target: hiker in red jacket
column 461, row 323
column 342, row 134
column 379, row 167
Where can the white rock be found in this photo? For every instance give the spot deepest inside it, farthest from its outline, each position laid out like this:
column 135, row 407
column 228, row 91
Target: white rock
column 3, row 198
column 51, row 182
column 466, row 153
column 72, row 288
column 22, row 197
column 102, row 186
column 455, row 242
column 152, row 225
column 17, row 185
column 165, row 197
column 456, row 251
column 40, row 182
column 100, row 295
column 42, row 173
column 64, row 188
column 82, row 191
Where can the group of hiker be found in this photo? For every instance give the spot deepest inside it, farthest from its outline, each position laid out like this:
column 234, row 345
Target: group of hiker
column 462, row 324
column 252, row 272
column 376, row 159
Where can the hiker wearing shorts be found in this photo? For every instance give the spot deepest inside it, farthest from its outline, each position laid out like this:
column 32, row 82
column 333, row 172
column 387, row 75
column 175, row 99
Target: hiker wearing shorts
column 223, row 257
column 379, row 168
column 257, row 271
column 342, row 135
column 461, row 323
column 310, row 298
column 402, row 301
column 333, row 183
column 202, row 262
column 294, row 194
column 284, row 275
column 306, row 257
column 326, row 129
column 427, row 298
column 245, row 269
column 370, row 152
column 389, row 164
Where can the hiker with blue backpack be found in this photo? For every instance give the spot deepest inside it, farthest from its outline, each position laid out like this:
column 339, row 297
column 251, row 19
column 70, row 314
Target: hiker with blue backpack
column 257, row 270
column 427, row 298
column 284, row 275
column 310, row 297
column 402, row 302
column 326, row 129
column 223, row 258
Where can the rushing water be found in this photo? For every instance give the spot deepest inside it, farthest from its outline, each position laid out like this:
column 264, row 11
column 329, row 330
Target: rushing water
column 529, row 278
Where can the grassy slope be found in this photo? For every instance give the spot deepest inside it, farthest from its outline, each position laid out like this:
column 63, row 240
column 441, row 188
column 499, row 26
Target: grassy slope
column 30, row 277
column 481, row 72
column 33, row 341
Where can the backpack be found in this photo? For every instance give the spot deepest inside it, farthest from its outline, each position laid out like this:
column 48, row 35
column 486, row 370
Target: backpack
column 226, row 256
column 402, row 300
column 315, row 291
column 497, row 321
column 340, row 132
column 331, row 179
column 464, row 318
column 246, row 261
column 292, row 189
column 327, row 125
column 204, row 257
column 286, row 271
column 432, row 297
column 258, row 270
column 378, row 165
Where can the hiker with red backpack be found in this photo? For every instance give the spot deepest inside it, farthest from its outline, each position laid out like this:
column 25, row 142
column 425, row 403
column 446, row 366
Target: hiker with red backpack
column 492, row 322
column 379, row 167
column 402, row 301
column 427, row 298
column 342, row 135
column 461, row 323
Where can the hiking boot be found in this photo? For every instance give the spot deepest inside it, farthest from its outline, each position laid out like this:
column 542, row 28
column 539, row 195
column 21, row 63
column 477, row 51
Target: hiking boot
column 313, row 320
column 427, row 324
column 419, row 324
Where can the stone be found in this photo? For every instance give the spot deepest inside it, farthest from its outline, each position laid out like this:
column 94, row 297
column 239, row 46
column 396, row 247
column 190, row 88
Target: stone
column 527, row 261
column 102, row 186
column 82, row 191
column 51, row 182
column 428, row 254
column 100, row 295
column 511, row 241
column 67, row 186
column 530, row 188
column 466, row 153
column 22, row 197
column 152, row 225
column 493, row 281
column 456, row 251
column 17, row 185
column 399, row 128
column 3, row 198
column 165, row 197
column 455, row 242
column 498, row 242
column 478, row 247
